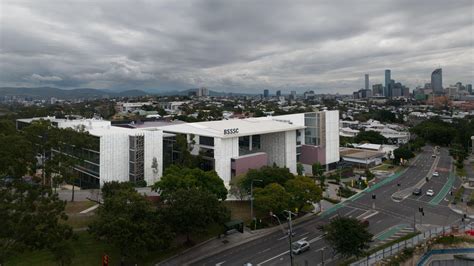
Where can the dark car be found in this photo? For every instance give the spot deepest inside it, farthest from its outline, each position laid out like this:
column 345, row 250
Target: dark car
column 417, row 192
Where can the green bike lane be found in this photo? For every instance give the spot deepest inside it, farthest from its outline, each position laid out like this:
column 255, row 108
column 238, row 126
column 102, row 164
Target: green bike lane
column 363, row 192
column 444, row 190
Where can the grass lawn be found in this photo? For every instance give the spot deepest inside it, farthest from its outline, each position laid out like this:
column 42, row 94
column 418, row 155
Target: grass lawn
column 89, row 251
column 385, row 167
column 75, row 219
column 78, row 206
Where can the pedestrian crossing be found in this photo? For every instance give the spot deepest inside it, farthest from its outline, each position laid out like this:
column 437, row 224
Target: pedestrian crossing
column 393, row 233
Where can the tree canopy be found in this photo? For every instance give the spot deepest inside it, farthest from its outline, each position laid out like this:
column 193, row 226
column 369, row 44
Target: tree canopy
column 272, row 198
column 190, row 210
column 303, row 191
column 403, row 152
column 31, row 218
column 268, row 175
column 347, row 236
column 184, row 178
column 128, row 221
column 370, row 137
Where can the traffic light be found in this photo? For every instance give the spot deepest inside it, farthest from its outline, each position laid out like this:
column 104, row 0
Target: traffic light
column 427, row 179
column 465, row 216
column 420, row 209
column 373, row 196
column 398, row 184
column 105, row 260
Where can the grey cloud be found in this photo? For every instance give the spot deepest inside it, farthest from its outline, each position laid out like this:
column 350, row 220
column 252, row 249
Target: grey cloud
column 324, row 45
column 40, row 78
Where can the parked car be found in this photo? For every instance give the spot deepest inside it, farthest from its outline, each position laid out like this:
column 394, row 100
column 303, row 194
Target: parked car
column 435, row 174
column 430, row 192
column 417, row 192
column 300, row 247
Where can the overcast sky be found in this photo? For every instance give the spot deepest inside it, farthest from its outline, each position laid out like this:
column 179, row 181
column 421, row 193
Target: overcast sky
column 239, row 46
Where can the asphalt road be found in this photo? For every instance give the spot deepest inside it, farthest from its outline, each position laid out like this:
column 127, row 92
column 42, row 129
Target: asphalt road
column 388, row 219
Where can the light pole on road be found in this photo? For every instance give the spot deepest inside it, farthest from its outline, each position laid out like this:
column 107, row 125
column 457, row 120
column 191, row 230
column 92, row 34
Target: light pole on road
column 290, row 234
column 251, row 201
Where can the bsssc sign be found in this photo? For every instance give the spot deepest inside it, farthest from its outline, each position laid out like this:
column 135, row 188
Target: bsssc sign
column 230, row 131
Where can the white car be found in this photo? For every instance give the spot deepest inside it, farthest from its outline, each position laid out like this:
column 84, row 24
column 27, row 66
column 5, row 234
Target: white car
column 435, row 174
column 430, row 192
column 300, row 247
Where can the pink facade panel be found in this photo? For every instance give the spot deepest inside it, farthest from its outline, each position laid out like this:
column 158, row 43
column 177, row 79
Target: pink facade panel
column 311, row 154
column 241, row 165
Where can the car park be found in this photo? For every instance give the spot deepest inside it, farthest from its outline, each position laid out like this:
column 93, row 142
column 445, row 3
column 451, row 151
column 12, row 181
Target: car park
column 430, row 192
column 417, row 192
column 300, row 247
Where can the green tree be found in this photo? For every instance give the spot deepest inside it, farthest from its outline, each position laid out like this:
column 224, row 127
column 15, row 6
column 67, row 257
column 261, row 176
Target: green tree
column 347, row 236
column 268, row 175
column 299, row 168
column 303, row 191
column 271, row 198
column 38, row 132
column 16, row 155
column 7, row 127
column 63, row 252
column 370, row 137
column 176, row 178
column 236, row 188
column 128, row 221
column 31, row 218
column 402, row 153
column 191, row 210
column 318, row 173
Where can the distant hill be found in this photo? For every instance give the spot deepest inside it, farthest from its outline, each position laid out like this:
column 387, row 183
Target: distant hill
column 89, row 93
column 48, row 92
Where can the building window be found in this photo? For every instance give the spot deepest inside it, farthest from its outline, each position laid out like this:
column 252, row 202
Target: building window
column 256, row 142
column 207, row 141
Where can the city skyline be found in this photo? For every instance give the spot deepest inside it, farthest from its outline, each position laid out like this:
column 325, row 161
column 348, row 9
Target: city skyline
column 224, row 47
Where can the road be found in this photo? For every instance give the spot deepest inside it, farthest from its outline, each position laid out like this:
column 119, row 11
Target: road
column 388, row 220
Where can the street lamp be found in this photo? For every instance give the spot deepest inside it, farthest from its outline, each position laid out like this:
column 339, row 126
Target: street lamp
column 278, row 219
column 251, row 201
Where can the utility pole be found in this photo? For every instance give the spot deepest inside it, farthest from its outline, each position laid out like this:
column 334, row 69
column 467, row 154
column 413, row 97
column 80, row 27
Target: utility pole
column 251, row 202
column 290, row 235
column 322, row 256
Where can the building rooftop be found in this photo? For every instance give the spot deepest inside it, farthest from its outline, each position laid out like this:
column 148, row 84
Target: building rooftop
column 360, row 153
column 233, row 128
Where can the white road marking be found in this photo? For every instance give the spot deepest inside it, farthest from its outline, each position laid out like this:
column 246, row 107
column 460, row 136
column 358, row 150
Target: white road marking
column 220, row 263
column 365, row 213
column 370, row 215
column 272, row 258
column 304, row 234
column 265, row 250
column 351, row 212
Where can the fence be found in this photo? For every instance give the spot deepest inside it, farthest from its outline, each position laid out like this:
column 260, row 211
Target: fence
column 412, row 242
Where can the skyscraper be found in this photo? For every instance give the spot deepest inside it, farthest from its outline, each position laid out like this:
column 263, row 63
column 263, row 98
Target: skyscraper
column 469, row 88
column 377, row 90
column 278, row 93
column 366, row 81
column 437, row 81
column 387, row 82
column 266, row 93
column 293, row 95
